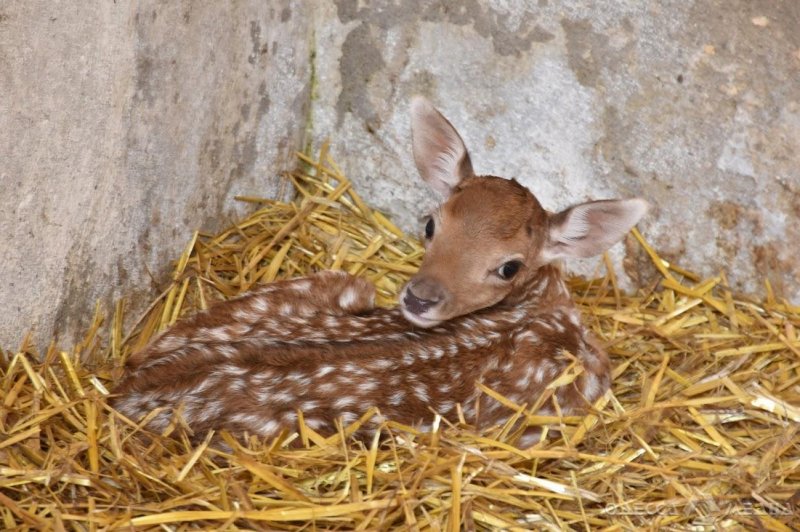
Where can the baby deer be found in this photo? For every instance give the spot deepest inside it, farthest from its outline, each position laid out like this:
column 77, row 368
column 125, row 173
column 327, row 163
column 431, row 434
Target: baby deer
column 487, row 306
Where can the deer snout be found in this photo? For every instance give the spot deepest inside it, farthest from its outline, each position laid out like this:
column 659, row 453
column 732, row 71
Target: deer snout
column 416, row 304
column 419, row 297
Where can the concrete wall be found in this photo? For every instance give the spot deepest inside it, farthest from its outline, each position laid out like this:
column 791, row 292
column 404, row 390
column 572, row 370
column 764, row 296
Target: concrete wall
column 125, row 126
column 694, row 105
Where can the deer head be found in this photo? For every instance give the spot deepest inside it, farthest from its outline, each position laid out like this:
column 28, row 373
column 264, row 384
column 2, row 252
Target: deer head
column 491, row 235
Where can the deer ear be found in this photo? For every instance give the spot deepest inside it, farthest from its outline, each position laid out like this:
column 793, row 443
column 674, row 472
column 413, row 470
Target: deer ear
column 439, row 152
column 590, row 228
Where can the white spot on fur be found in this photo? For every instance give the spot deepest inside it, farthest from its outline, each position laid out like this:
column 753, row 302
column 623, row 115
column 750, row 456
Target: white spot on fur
column 171, row 343
column 529, row 438
column 315, row 423
column 382, row 363
column 231, row 369
column 540, row 372
column 214, row 408
column 328, row 387
column 324, row 370
column 528, row 336
column 259, row 304
column 348, row 297
column 368, row 385
column 301, row 379
column 525, row 381
column 308, row 406
column 306, row 311
column 282, row 397
column 269, row 427
column 243, row 314
column 469, row 410
column 160, row 422
column 264, row 378
column 219, row 334
column 591, row 386
column 343, row 401
column 421, row 392
column 127, row 404
column 285, row 309
column 250, row 421
column 354, row 369
column 397, row 398
column 303, row 285
column 237, row 330
column 494, row 406
column 348, row 418
column 237, row 385
column 574, row 318
column 207, row 383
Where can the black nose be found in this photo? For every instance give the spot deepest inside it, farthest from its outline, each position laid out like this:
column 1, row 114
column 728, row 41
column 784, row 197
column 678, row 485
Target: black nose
column 417, row 305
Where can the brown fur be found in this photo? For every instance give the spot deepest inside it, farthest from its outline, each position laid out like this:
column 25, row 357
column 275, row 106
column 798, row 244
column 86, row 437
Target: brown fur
column 330, row 364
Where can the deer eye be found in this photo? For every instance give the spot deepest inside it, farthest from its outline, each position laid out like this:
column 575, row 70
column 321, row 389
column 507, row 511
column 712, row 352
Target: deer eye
column 509, row 269
column 429, row 227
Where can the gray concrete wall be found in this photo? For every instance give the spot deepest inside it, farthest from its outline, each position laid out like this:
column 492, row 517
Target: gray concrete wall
column 125, row 126
column 694, row 105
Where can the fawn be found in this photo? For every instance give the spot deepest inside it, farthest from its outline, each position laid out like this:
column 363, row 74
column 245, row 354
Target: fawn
column 487, row 305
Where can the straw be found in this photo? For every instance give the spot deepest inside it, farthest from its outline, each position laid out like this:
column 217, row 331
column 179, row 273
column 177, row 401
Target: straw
column 700, row 428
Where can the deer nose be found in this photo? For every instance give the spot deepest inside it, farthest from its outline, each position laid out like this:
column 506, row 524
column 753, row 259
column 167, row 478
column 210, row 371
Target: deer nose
column 425, row 297
column 415, row 304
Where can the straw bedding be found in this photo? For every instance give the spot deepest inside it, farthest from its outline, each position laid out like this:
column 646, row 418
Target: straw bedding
column 700, row 429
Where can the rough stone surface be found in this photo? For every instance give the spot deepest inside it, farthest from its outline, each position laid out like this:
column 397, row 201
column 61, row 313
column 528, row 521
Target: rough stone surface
column 692, row 105
column 123, row 128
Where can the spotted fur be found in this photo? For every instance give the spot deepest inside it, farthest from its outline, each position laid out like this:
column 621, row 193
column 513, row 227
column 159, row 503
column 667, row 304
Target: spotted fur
column 333, row 365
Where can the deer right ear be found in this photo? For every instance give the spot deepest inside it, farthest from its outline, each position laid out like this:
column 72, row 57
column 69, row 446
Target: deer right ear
column 439, row 152
column 591, row 228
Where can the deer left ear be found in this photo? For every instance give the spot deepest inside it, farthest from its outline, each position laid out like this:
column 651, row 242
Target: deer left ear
column 591, row 228
column 440, row 154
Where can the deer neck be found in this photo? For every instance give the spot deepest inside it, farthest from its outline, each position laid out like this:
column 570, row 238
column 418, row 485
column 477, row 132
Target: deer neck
column 541, row 292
